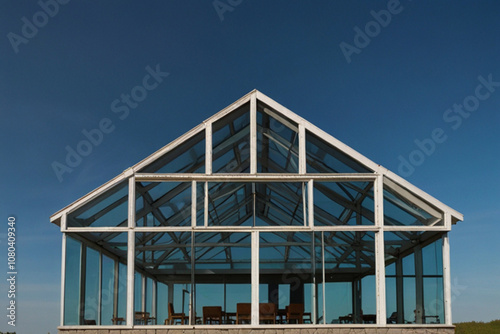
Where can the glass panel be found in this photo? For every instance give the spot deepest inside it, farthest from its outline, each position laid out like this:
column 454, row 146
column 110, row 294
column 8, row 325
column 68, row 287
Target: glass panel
column 343, row 203
column 162, row 303
column 187, row 157
column 348, row 257
column 432, row 258
column 92, row 273
column 109, row 209
column 391, row 299
column 275, row 204
column 122, row 293
column 165, row 204
column 231, row 142
column 162, row 250
column 72, row 282
column 339, row 302
column 181, row 302
column 404, row 209
column 149, row 296
column 277, row 142
column 107, row 290
column 368, row 299
column 285, row 267
column 230, row 204
column 138, row 292
column 222, row 274
column 410, row 302
column 324, row 158
column 434, row 300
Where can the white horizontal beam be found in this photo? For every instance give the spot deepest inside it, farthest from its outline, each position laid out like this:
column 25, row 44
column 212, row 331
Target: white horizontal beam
column 187, row 177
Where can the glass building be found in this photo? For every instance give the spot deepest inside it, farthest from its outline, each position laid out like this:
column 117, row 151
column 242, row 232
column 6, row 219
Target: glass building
column 256, row 219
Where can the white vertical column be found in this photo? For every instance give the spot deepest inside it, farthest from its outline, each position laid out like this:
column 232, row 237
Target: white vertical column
column 446, row 277
column 302, row 148
column 253, row 134
column 310, row 203
column 193, row 203
column 63, row 273
column 131, row 251
column 379, row 250
column 208, row 148
column 255, row 278
column 205, row 206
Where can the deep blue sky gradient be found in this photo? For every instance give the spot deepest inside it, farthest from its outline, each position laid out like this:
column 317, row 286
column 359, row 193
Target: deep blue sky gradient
column 395, row 91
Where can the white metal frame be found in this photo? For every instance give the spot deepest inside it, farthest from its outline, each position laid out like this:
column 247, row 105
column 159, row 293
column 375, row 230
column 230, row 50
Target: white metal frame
column 380, row 177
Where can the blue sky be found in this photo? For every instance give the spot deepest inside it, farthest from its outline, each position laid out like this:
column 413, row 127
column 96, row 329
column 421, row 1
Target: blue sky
column 390, row 90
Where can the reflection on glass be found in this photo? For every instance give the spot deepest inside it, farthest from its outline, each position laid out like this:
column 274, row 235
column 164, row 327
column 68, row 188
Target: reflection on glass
column 108, row 209
column 107, row 290
column 72, row 282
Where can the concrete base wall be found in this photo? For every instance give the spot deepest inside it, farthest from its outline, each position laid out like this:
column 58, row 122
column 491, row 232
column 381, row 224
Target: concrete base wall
column 345, row 330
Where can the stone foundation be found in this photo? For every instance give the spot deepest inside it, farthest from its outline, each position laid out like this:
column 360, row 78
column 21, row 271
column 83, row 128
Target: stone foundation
column 313, row 330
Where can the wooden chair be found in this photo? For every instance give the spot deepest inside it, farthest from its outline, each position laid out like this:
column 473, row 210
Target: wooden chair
column 243, row 313
column 212, row 314
column 267, row 312
column 172, row 316
column 295, row 312
column 141, row 318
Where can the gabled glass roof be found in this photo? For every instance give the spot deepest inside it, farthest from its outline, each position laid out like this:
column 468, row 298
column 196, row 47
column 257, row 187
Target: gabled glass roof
column 273, row 141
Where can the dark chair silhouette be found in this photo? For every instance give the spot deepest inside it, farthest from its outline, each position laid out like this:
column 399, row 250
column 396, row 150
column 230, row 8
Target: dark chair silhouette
column 89, row 322
column 295, row 312
column 267, row 313
column 393, row 319
column 243, row 313
column 212, row 314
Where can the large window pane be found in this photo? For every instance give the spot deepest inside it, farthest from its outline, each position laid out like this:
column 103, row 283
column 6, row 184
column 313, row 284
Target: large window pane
column 277, row 142
column 343, row 203
column 107, row 290
column 92, row 273
column 347, row 262
column 72, row 282
column 231, row 142
column 402, row 208
column 222, row 274
column 187, row 157
column 108, row 209
column 257, row 204
column 324, row 158
column 286, row 266
column 164, row 204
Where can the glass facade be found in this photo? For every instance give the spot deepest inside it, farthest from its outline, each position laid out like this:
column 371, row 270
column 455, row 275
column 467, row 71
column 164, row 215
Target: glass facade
column 282, row 225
